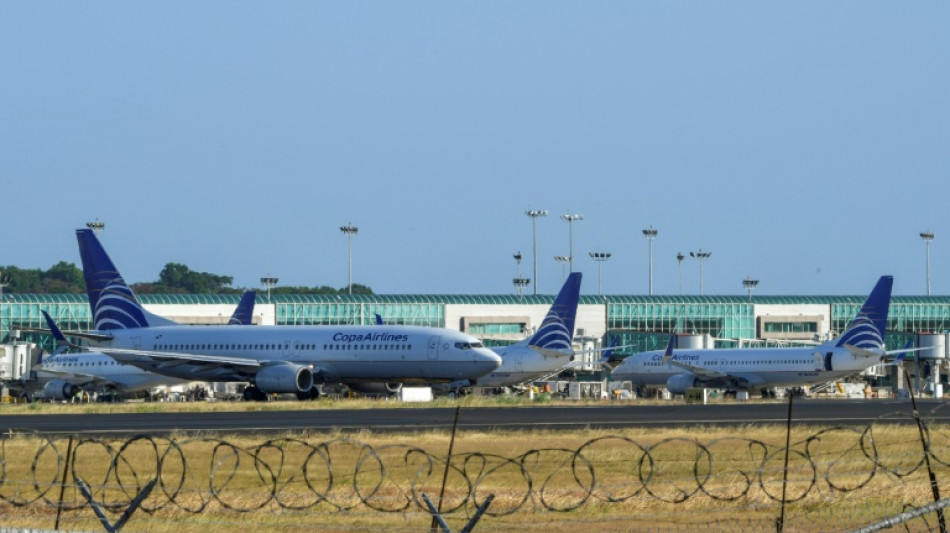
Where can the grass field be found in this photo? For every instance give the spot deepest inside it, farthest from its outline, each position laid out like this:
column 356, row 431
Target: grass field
column 323, row 403
column 699, row 478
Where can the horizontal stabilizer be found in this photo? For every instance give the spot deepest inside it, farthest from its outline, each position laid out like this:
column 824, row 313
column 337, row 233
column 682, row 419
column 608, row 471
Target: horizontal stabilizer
column 861, row 352
column 79, row 334
column 548, row 352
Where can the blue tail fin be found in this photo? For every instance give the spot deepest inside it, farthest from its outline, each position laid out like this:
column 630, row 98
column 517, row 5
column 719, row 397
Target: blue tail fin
column 668, row 352
column 61, row 343
column 557, row 329
column 111, row 300
column 867, row 329
column 243, row 315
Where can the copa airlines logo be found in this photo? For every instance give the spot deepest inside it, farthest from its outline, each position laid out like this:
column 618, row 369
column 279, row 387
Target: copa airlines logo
column 116, row 308
column 553, row 334
column 862, row 333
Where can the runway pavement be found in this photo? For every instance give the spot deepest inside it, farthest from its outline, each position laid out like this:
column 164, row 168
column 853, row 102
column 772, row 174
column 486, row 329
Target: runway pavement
column 627, row 415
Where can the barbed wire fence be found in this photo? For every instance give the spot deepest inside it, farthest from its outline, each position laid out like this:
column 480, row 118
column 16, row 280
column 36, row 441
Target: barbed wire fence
column 835, row 479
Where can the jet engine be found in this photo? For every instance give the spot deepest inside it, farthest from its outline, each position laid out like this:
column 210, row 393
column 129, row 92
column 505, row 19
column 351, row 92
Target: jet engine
column 284, row 377
column 679, row 383
column 59, row 389
column 376, row 388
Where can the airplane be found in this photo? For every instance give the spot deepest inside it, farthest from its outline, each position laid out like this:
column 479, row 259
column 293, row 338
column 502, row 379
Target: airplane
column 545, row 352
column 859, row 347
column 275, row 359
column 61, row 375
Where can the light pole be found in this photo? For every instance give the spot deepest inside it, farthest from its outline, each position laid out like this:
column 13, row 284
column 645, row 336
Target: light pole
column 534, row 214
column 927, row 236
column 520, row 283
column 563, row 259
column 750, row 284
column 701, row 256
column 4, row 282
column 570, row 230
column 600, row 257
column 650, row 234
column 268, row 282
column 96, row 226
column 349, row 230
column 679, row 261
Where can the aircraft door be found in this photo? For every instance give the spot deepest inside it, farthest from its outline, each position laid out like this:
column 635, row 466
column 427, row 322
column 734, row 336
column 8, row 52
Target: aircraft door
column 828, row 361
column 433, row 352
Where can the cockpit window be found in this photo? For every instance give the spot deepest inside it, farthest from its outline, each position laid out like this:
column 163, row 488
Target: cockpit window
column 468, row 345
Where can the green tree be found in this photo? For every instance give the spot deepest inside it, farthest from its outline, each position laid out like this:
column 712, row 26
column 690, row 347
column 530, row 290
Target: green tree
column 177, row 276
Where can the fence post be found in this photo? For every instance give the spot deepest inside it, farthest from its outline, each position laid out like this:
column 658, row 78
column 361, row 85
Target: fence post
column 128, row 512
column 437, row 515
column 448, row 462
column 62, row 487
column 934, row 487
column 780, row 525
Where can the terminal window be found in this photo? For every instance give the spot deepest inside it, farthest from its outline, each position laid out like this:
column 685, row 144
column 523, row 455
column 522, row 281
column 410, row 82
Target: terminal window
column 791, row 327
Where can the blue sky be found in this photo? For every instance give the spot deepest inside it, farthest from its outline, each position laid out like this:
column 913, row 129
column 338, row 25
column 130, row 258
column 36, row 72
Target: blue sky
column 804, row 144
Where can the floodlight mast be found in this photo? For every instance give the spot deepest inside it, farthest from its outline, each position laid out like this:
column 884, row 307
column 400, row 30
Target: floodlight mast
column 534, row 214
column 600, row 257
column 701, row 256
column 563, row 259
column 96, row 226
column 570, row 225
column 650, row 233
column 679, row 261
column 750, row 284
column 927, row 236
column 268, row 282
column 4, row 282
column 519, row 282
column 349, row 230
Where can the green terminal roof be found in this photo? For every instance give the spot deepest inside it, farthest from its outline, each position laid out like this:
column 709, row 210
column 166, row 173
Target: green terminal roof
column 507, row 299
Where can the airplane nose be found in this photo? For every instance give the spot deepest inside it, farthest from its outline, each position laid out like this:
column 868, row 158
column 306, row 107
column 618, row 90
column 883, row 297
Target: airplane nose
column 484, row 355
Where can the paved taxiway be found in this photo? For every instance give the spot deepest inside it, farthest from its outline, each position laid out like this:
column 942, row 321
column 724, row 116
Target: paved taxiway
column 806, row 411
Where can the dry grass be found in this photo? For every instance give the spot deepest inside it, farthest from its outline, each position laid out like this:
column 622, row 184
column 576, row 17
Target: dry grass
column 321, row 404
column 575, row 479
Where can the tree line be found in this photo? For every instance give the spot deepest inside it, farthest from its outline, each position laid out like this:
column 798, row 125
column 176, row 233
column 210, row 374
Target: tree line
column 175, row 278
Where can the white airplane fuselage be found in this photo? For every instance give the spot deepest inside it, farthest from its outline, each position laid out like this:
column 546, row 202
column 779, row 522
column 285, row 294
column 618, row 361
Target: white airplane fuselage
column 520, row 364
column 335, row 353
column 745, row 368
column 98, row 371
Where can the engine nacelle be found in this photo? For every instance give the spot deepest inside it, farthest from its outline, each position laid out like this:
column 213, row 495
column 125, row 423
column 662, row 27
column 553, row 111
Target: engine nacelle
column 376, row 388
column 59, row 389
column 284, row 377
column 679, row 383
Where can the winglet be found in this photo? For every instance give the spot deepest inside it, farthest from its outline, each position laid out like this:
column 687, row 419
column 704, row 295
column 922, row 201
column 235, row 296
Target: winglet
column 379, row 319
column 668, row 353
column 608, row 353
column 901, row 355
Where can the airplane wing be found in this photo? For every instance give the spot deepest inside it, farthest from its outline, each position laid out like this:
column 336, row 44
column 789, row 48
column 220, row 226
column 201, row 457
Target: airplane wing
column 156, row 361
column 152, row 360
column 76, row 378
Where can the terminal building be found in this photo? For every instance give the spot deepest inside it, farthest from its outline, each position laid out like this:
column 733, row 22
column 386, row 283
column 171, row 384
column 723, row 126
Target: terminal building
column 638, row 323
